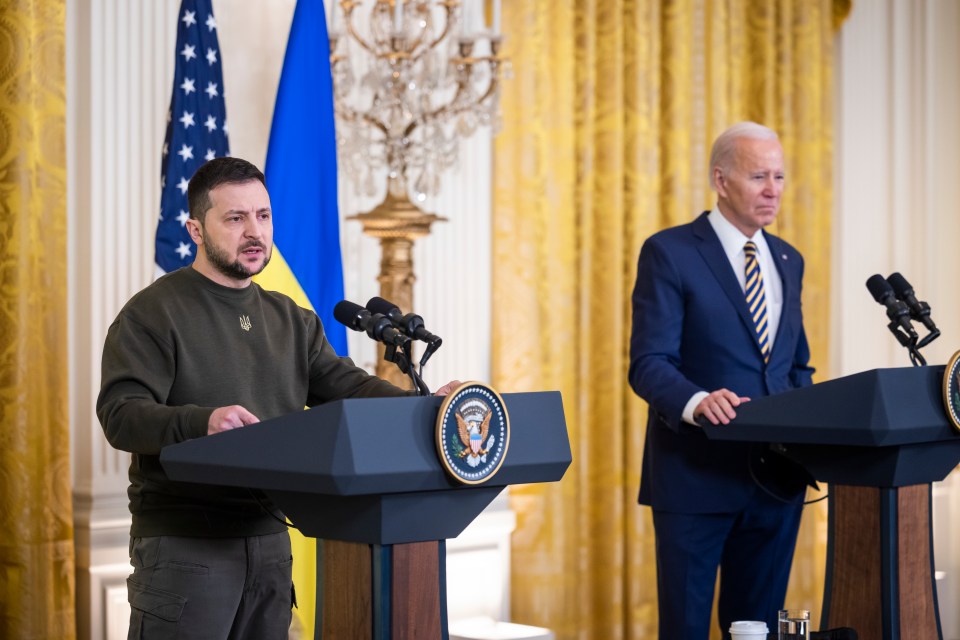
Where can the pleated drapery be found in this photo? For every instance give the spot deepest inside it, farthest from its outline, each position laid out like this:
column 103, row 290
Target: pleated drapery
column 36, row 514
column 607, row 126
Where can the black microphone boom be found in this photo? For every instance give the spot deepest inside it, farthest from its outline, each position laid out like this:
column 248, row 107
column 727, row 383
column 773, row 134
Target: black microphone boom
column 919, row 310
column 410, row 324
column 351, row 315
column 899, row 315
column 897, row 311
column 376, row 325
column 377, row 304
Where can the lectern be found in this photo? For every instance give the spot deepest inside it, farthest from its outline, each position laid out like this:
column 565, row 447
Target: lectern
column 879, row 438
column 364, row 476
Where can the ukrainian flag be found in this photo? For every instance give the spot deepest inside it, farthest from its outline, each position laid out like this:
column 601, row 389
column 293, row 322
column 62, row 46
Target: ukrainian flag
column 301, row 172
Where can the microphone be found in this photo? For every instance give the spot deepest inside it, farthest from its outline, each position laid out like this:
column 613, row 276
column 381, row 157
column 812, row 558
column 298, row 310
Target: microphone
column 918, row 310
column 410, row 324
column 897, row 311
column 376, row 325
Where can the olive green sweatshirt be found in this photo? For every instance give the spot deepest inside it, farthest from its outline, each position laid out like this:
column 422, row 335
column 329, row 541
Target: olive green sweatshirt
column 185, row 346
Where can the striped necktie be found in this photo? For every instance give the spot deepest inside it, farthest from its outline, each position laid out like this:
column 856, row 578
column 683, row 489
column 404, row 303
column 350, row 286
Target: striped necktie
column 756, row 301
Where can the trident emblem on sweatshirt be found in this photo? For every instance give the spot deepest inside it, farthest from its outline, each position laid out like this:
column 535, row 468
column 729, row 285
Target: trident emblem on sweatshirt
column 245, row 323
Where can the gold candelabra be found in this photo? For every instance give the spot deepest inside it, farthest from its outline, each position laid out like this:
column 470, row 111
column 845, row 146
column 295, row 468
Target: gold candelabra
column 409, row 82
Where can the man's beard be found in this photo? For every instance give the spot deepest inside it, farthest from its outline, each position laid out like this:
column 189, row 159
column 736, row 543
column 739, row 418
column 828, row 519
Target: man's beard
column 236, row 270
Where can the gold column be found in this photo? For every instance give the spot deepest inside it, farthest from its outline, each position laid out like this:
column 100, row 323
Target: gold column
column 397, row 222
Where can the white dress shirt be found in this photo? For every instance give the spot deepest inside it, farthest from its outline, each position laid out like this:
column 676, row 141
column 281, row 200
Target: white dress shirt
column 732, row 240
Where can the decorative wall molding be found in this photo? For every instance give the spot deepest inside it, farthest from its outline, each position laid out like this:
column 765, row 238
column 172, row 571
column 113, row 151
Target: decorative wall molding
column 115, row 123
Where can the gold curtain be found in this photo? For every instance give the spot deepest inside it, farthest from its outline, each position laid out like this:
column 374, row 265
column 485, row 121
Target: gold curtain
column 607, row 127
column 36, row 518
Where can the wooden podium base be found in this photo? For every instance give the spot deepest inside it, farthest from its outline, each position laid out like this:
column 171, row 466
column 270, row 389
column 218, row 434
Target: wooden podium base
column 381, row 591
column 880, row 576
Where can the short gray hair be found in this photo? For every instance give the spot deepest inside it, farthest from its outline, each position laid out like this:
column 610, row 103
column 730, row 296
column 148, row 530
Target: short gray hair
column 725, row 143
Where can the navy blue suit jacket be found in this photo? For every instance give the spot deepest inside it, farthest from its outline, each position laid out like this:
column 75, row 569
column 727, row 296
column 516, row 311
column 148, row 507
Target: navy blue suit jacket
column 692, row 332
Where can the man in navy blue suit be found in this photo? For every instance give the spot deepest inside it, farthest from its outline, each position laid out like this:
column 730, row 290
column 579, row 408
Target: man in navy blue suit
column 717, row 321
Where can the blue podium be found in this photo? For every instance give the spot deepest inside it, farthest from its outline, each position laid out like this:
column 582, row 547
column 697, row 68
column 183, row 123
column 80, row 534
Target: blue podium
column 363, row 476
column 880, row 439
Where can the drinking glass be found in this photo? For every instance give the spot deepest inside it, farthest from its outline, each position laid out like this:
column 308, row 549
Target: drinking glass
column 794, row 624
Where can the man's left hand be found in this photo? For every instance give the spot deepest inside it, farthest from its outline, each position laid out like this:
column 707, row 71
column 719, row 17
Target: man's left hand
column 447, row 388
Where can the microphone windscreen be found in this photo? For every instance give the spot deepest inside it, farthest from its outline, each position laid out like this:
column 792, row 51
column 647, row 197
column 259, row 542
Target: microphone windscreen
column 347, row 313
column 878, row 287
column 900, row 285
column 377, row 304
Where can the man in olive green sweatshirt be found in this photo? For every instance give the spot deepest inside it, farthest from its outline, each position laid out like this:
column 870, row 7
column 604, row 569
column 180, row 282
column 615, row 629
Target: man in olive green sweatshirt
column 202, row 350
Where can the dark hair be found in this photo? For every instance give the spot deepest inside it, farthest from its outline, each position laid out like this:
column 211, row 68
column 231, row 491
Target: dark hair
column 214, row 173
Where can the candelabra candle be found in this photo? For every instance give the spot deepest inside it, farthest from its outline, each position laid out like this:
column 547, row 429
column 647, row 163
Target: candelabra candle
column 410, row 80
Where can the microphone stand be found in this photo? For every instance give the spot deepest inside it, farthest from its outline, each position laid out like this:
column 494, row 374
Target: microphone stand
column 910, row 342
column 915, row 357
column 432, row 347
column 927, row 339
column 404, row 359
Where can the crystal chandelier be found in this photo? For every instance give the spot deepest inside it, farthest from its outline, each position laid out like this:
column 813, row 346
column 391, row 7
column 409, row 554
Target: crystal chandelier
column 411, row 78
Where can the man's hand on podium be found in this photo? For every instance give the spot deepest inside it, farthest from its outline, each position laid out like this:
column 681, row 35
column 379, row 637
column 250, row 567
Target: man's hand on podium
column 447, row 388
column 227, row 418
column 718, row 407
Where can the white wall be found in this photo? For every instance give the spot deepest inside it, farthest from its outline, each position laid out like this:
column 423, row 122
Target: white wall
column 897, row 174
column 897, row 194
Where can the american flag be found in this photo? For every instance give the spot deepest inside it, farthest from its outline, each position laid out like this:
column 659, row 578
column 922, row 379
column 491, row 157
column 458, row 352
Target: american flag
column 196, row 128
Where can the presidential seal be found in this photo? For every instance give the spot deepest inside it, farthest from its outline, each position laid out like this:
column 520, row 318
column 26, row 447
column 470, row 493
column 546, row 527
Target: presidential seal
column 951, row 390
column 473, row 433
